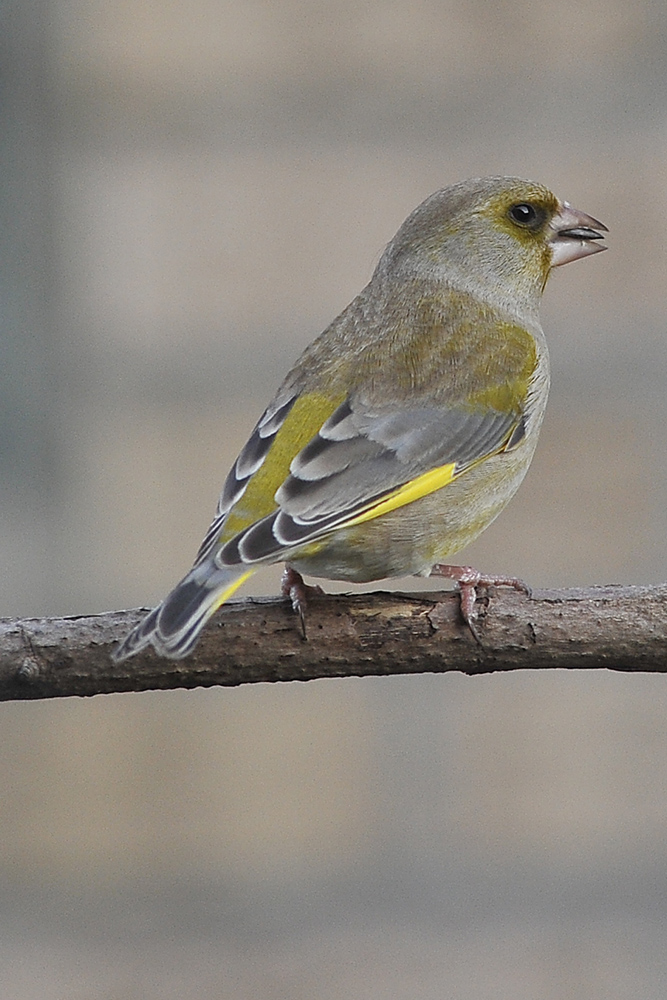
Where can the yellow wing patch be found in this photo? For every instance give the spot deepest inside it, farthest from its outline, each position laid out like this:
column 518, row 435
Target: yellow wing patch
column 417, row 488
column 302, row 423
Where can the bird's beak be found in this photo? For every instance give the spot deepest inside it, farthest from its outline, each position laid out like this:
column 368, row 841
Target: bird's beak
column 574, row 235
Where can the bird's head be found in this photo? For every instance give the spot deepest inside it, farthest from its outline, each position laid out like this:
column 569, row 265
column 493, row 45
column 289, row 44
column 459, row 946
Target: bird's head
column 497, row 237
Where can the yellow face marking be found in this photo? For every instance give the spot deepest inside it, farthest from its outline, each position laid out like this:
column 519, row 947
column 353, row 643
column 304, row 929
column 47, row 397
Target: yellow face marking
column 538, row 258
column 497, row 208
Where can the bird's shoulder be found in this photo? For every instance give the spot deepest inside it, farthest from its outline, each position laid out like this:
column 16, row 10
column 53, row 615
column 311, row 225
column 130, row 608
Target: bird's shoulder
column 422, row 341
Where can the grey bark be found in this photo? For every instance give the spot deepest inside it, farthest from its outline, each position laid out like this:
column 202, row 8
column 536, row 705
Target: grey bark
column 616, row 627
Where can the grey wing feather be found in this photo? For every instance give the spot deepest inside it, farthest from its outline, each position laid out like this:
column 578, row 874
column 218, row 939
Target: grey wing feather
column 361, row 454
column 388, row 450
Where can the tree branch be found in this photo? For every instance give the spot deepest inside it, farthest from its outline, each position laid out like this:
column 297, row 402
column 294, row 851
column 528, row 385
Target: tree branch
column 620, row 628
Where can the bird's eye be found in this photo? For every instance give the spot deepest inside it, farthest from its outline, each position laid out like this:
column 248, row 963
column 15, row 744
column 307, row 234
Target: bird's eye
column 526, row 215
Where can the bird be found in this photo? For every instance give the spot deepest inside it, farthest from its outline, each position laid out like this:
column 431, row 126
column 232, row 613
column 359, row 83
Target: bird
column 405, row 428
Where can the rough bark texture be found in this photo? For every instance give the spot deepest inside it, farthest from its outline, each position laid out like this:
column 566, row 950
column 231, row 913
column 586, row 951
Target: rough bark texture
column 620, row 628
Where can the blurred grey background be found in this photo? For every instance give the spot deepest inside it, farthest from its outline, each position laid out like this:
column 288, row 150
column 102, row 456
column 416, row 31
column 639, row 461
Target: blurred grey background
column 190, row 192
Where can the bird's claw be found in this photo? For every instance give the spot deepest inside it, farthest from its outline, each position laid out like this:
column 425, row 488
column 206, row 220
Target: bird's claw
column 469, row 579
column 293, row 587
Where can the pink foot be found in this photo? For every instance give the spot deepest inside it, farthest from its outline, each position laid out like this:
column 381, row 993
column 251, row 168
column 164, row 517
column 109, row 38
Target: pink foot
column 292, row 586
column 468, row 580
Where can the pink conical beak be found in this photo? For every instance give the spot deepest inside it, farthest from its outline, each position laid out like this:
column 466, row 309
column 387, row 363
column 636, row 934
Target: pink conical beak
column 574, row 235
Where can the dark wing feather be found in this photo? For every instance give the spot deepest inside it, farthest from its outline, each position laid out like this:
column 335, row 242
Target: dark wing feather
column 246, row 465
column 360, row 455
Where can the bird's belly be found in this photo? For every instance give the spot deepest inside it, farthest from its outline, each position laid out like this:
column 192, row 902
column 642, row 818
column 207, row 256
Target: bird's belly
column 411, row 539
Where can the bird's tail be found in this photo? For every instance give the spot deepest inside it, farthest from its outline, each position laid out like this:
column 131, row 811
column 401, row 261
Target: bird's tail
column 174, row 626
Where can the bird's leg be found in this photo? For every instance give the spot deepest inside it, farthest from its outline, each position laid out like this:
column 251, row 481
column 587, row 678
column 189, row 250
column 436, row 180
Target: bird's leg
column 292, row 586
column 468, row 580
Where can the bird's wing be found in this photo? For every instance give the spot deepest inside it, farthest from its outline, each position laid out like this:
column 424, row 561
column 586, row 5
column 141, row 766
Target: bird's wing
column 361, row 462
column 251, row 460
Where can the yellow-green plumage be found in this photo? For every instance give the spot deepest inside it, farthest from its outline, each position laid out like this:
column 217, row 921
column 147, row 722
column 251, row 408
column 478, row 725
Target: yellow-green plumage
column 304, row 420
column 405, row 428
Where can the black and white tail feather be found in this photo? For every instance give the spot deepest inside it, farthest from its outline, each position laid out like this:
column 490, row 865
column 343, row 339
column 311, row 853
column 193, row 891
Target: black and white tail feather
column 174, row 626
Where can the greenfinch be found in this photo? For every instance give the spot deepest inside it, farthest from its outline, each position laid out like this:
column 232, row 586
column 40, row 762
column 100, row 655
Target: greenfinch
column 407, row 426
